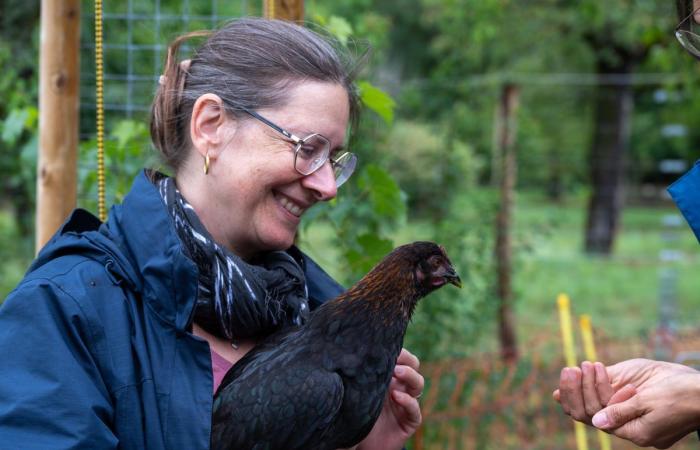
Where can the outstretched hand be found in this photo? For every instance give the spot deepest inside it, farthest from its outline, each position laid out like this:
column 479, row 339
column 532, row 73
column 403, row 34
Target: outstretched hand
column 400, row 416
column 649, row 403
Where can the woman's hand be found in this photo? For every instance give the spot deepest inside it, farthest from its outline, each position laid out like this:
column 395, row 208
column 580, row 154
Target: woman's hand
column 400, row 416
column 586, row 390
column 650, row 403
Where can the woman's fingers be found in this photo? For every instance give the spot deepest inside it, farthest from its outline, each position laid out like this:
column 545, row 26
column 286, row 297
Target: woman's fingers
column 407, row 358
column 409, row 380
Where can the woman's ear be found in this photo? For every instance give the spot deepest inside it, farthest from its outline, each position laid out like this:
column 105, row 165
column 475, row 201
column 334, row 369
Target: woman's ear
column 207, row 125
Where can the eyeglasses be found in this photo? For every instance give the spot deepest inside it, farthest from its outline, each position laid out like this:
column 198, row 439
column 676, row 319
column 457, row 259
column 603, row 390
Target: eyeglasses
column 688, row 34
column 312, row 152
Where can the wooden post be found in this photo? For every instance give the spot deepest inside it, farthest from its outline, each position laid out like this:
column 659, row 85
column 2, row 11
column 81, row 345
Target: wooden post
column 506, row 141
column 292, row 10
column 58, row 115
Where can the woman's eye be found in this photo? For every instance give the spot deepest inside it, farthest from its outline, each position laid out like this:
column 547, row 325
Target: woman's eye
column 307, row 151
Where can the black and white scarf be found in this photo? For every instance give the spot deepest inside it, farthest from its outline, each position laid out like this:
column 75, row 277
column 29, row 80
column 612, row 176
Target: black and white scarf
column 236, row 299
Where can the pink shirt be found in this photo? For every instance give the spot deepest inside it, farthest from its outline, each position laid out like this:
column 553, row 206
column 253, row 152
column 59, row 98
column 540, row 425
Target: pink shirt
column 220, row 365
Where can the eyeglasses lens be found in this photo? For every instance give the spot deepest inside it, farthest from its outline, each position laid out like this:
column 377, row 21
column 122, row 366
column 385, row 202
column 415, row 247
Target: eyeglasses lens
column 688, row 32
column 311, row 154
column 690, row 41
column 314, row 151
column 344, row 167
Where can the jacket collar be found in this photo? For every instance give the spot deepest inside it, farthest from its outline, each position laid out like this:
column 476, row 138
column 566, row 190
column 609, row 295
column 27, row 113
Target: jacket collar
column 138, row 247
column 144, row 230
column 686, row 193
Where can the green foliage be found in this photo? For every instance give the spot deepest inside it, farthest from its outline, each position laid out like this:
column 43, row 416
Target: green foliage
column 15, row 251
column 18, row 135
column 340, row 28
column 362, row 217
column 384, row 195
column 451, row 322
column 429, row 166
column 377, row 100
column 127, row 150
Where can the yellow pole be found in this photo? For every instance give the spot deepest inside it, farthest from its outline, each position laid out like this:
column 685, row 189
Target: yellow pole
column 567, row 337
column 589, row 350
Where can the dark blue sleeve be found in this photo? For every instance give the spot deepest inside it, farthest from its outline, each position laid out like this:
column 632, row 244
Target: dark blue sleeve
column 52, row 392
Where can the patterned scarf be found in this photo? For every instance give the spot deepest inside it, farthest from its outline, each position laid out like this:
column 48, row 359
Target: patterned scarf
column 236, row 299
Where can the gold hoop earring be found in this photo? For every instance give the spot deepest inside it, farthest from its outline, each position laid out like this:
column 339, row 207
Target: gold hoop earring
column 206, row 164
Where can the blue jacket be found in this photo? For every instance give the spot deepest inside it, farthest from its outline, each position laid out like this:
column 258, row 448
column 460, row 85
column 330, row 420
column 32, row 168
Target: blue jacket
column 95, row 346
column 686, row 193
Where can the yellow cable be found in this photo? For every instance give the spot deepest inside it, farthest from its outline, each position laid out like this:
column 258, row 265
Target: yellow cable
column 589, row 349
column 567, row 336
column 99, row 103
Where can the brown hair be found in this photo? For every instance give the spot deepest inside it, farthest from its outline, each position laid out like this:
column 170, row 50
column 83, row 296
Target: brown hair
column 249, row 63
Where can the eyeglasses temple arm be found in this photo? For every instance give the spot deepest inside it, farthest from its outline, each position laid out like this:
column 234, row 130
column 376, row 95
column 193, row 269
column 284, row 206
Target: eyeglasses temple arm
column 680, row 24
column 272, row 125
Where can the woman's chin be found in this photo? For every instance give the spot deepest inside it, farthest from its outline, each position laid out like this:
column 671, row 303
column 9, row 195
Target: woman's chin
column 280, row 241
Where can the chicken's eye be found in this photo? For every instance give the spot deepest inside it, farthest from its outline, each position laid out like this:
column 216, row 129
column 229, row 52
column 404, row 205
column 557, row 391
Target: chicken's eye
column 435, row 261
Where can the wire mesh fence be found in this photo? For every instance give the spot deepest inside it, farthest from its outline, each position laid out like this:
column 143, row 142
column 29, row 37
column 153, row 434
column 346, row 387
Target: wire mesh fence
column 136, row 35
column 481, row 403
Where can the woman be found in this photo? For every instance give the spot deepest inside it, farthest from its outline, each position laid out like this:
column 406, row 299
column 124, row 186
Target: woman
column 111, row 337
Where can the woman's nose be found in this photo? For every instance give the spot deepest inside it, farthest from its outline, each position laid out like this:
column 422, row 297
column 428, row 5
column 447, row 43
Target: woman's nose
column 321, row 183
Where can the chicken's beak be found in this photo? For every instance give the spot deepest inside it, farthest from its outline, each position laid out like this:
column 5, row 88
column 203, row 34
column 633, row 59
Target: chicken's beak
column 455, row 280
column 452, row 277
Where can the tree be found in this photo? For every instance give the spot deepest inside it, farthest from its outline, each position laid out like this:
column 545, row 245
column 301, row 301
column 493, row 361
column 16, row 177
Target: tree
column 620, row 34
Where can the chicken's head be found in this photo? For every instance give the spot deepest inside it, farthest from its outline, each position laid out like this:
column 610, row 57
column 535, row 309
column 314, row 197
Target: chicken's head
column 434, row 269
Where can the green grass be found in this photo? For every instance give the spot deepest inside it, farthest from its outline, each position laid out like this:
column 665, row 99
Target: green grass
column 621, row 292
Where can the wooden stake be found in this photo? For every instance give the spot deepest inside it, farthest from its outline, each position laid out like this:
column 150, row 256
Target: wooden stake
column 292, row 10
column 58, row 116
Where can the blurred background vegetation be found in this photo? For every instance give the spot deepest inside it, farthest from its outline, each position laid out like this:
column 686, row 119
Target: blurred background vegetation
column 608, row 102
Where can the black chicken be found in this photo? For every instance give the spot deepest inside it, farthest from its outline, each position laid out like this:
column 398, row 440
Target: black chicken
column 321, row 386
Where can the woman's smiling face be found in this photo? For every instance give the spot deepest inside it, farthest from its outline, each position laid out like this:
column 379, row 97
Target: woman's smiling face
column 255, row 197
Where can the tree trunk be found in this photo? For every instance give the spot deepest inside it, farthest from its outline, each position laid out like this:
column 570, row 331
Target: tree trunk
column 613, row 112
column 506, row 141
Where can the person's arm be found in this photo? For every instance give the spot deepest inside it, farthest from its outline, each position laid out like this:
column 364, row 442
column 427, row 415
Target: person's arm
column 654, row 403
column 51, row 392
